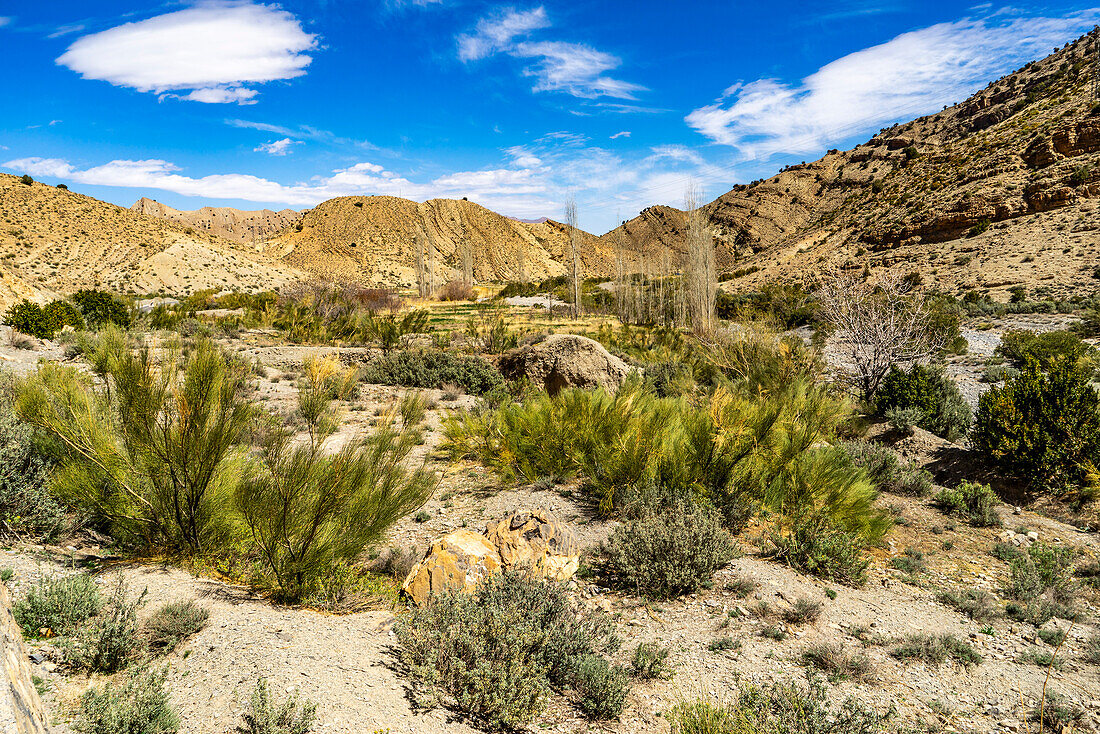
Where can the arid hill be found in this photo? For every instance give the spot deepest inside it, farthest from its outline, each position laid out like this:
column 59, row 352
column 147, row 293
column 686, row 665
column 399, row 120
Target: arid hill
column 246, row 227
column 996, row 191
column 377, row 239
column 54, row 241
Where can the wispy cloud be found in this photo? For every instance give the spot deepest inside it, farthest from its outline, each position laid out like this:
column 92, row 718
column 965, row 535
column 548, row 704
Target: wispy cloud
column 303, row 132
column 620, row 134
column 5, row 20
column 556, row 66
column 66, row 30
column 277, row 147
column 915, row 73
column 214, row 52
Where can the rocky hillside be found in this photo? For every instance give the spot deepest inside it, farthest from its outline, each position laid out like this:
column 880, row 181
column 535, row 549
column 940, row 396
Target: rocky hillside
column 996, row 191
column 246, row 227
column 376, row 239
column 54, row 241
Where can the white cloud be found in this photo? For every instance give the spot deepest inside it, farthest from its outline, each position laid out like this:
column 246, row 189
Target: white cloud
column 214, row 52
column 497, row 32
column 4, row 20
column 522, row 157
column 277, row 147
column 915, row 73
column 556, row 66
column 65, row 30
column 621, row 134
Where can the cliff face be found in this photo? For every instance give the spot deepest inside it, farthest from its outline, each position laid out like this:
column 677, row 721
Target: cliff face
column 996, row 191
column 378, row 239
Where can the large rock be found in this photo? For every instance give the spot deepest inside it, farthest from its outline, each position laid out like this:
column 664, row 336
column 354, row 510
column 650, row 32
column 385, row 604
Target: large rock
column 463, row 559
column 565, row 360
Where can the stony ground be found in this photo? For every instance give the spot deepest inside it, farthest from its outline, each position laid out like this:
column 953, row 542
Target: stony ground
column 347, row 663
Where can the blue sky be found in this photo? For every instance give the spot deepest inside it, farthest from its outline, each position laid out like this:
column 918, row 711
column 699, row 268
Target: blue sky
column 516, row 106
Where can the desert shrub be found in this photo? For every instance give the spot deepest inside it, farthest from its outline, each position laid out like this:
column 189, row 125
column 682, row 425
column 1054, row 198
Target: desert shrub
column 904, row 420
column 936, row 649
column 26, row 179
column 28, row 318
column 978, row 604
column 1041, row 658
column 59, row 604
column 173, row 623
column 601, row 687
column 1092, row 649
column 973, row 501
column 885, row 469
column 910, row 562
column 1055, row 713
column 109, row 641
column 778, row 708
column 650, row 662
column 1042, row 581
column 413, row 408
column 388, row 330
column 138, row 705
column 433, row 369
column 100, row 308
column 823, row 551
column 457, row 290
column 1021, row 347
column 266, row 716
column 943, row 410
column 60, row 314
column 1044, row 427
column 308, row 511
column 836, row 662
column 1053, row 637
column 999, row 373
column 670, row 553
column 803, row 611
column 151, row 451
column 497, row 652
column 26, row 504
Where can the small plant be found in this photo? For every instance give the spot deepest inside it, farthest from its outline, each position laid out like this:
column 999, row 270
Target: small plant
column 741, row 586
column 173, row 623
column 1092, row 649
column 58, row 605
column 904, row 420
column 837, row 663
column 988, row 629
column 110, row 641
column 722, row 644
column 265, row 716
column 1053, row 637
column 936, row 649
column 650, row 662
column 926, row 397
column 972, row 501
column 773, row 632
column 1042, row 580
column 422, row 516
column 433, row 369
column 138, row 705
column 883, row 467
column 602, row 687
column 1006, row 551
column 978, row 604
column 829, row 553
column 912, row 562
column 1054, row 713
column 803, row 611
column 1042, row 658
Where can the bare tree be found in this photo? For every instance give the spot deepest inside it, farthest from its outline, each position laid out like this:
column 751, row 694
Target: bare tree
column 571, row 223
column 422, row 286
column 877, row 323
column 700, row 275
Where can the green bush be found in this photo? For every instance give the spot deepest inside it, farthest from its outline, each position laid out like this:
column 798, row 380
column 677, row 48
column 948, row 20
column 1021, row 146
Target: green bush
column 497, row 652
column 26, row 504
column 60, row 314
column 1042, row 581
column 670, row 553
column 978, row 604
column 1043, row 427
column 778, row 708
column 650, row 662
column 936, row 649
column 173, row 623
column 59, row 604
column 972, row 501
column 109, row 641
column 601, row 687
column 823, row 551
column 28, row 318
column 265, row 716
column 100, row 308
column 1021, row 347
column 928, row 390
column 885, row 469
column 836, row 662
column 433, row 369
column 137, row 705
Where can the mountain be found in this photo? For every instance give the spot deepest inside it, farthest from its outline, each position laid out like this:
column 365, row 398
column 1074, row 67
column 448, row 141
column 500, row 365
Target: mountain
column 246, row 227
column 996, row 191
column 376, row 239
column 55, row 241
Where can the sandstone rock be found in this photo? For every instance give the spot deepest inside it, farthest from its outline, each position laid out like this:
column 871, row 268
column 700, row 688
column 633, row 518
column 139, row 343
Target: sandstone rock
column 565, row 360
column 460, row 560
column 463, row 559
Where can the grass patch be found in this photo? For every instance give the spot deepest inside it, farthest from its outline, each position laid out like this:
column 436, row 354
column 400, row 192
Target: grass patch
column 936, row 649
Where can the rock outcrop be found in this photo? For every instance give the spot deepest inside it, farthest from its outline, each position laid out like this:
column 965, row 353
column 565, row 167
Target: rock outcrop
column 565, row 360
column 21, row 709
column 463, row 559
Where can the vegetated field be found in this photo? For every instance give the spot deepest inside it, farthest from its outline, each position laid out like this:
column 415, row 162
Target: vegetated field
column 338, row 647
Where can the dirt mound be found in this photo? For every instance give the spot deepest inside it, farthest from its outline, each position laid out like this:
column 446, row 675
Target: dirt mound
column 565, row 360
column 996, row 191
column 246, row 227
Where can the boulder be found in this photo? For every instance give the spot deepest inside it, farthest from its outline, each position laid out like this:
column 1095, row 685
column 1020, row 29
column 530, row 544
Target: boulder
column 565, row 360
column 461, row 560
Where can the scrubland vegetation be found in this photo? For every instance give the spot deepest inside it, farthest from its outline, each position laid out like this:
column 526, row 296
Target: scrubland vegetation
column 723, row 438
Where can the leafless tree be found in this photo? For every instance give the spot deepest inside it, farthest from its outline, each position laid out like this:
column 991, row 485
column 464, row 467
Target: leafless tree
column 571, row 223
column 422, row 286
column 877, row 323
column 700, row 275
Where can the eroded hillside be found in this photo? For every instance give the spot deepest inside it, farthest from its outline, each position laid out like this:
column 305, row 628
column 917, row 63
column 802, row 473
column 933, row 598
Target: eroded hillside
column 246, row 227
